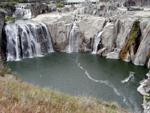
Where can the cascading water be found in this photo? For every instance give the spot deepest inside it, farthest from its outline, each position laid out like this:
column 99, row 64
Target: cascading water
column 23, row 11
column 96, row 42
column 74, row 39
column 27, row 39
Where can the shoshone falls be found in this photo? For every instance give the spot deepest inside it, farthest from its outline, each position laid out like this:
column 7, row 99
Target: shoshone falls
column 74, row 50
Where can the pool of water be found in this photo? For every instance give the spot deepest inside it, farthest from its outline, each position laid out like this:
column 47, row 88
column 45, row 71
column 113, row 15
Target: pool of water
column 84, row 75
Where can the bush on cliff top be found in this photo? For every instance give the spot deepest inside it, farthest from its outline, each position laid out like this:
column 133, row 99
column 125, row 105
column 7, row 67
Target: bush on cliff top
column 59, row 5
column 9, row 18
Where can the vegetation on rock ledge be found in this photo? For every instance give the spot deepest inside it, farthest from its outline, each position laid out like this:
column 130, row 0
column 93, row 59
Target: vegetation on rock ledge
column 132, row 41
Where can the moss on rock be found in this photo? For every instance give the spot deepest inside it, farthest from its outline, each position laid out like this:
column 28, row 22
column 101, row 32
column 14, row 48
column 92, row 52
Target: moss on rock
column 132, row 41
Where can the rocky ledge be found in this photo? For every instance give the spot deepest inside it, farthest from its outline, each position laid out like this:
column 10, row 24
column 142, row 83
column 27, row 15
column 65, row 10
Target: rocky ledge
column 144, row 90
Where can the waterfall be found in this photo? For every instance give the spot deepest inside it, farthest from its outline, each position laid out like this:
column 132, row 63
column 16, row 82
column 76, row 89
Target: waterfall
column 23, row 11
column 27, row 39
column 96, row 42
column 74, row 39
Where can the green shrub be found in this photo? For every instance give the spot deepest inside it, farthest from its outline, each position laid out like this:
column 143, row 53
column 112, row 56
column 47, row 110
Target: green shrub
column 7, row 5
column 11, row 3
column 147, row 98
column 9, row 18
column 4, row 70
column 59, row 5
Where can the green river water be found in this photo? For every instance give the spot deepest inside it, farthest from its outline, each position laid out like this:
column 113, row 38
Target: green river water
column 84, row 75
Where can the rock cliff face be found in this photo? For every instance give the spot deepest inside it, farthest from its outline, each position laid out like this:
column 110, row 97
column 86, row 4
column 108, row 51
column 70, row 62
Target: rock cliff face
column 61, row 30
column 125, row 37
column 2, row 20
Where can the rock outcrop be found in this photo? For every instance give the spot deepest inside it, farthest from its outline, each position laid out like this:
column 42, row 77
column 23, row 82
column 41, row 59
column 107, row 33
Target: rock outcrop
column 144, row 90
column 2, row 20
column 132, row 43
column 100, row 9
column 142, row 54
column 9, row 8
column 29, row 10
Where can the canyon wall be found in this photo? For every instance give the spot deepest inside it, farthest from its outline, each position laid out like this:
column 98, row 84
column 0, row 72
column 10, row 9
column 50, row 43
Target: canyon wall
column 124, row 38
column 121, row 38
column 102, row 30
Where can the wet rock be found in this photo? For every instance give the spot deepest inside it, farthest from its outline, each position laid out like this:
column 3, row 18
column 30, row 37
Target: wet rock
column 131, row 45
column 108, row 38
column 148, row 64
column 2, row 20
column 124, row 28
column 90, row 27
column 144, row 90
column 114, row 54
column 61, row 25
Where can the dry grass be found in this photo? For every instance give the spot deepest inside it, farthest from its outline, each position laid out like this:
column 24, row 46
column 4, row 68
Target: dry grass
column 19, row 97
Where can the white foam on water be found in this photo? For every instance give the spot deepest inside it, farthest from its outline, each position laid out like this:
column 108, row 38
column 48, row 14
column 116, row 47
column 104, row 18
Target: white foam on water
column 105, row 82
column 131, row 78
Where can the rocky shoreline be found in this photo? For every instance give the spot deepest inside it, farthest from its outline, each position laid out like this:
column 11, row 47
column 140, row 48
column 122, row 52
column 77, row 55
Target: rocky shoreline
column 144, row 90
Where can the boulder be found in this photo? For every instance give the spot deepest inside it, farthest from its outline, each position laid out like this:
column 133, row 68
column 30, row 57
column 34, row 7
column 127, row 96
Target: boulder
column 114, row 54
column 144, row 90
